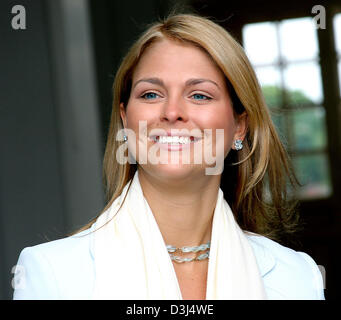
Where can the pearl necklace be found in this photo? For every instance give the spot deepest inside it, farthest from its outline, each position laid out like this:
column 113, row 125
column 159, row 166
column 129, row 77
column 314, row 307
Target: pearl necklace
column 195, row 249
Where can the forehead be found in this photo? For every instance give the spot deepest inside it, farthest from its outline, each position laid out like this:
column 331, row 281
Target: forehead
column 167, row 56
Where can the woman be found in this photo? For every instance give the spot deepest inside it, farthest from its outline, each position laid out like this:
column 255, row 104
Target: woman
column 188, row 105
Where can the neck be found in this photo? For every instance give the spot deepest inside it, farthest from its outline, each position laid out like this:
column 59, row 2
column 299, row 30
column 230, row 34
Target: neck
column 183, row 209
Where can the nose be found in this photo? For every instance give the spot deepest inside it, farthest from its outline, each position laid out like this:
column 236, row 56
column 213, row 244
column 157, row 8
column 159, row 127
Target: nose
column 174, row 109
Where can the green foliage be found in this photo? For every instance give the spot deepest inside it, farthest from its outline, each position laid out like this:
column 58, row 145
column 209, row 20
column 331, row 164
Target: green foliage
column 274, row 97
column 302, row 129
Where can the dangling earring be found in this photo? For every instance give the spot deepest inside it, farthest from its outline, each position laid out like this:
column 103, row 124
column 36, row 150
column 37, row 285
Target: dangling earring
column 238, row 144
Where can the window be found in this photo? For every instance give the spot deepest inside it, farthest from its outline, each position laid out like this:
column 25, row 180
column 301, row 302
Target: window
column 337, row 33
column 285, row 56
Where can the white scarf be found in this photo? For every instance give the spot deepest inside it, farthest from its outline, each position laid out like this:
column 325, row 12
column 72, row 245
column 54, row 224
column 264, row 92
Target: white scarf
column 132, row 262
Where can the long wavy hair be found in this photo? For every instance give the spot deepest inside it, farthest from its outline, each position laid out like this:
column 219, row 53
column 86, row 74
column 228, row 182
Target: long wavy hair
column 259, row 174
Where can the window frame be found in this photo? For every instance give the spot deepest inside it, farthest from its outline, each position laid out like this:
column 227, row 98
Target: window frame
column 328, row 207
column 286, row 109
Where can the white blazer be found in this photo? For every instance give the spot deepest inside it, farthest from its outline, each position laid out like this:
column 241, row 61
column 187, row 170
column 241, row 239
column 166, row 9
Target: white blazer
column 64, row 269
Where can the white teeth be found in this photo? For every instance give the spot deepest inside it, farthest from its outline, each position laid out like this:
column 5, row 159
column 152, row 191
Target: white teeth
column 172, row 139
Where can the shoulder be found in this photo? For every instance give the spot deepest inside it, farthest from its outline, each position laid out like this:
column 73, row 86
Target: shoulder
column 62, row 248
column 287, row 274
column 59, row 251
column 55, row 270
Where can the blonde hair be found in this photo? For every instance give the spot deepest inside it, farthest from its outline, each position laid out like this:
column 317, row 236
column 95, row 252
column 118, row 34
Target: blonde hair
column 263, row 160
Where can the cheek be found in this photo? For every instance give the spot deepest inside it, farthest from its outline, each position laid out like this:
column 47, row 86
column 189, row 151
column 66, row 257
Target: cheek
column 132, row 117
column 223, row 118
column 138, row 119
column 135, row 115
column 229, row 129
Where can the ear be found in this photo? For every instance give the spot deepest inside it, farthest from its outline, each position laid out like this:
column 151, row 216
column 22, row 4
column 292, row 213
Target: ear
column 123, row 115
column 242, row 126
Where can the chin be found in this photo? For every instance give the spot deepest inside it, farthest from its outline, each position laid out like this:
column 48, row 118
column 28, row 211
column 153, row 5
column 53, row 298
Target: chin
column 175, row 171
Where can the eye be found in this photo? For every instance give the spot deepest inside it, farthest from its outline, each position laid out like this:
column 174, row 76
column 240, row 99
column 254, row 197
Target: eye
column 150, row 95
column 199, row 96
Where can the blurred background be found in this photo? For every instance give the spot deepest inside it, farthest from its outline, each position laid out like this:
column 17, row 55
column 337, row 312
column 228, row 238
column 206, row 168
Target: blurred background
column 56, row 71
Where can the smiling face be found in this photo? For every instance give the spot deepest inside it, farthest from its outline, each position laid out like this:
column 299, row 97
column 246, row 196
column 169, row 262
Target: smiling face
column 177, row 86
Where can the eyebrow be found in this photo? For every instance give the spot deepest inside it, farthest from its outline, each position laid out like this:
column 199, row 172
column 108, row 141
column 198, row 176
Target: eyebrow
column 189, row 82
column 192, row 82
column 150, row 80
